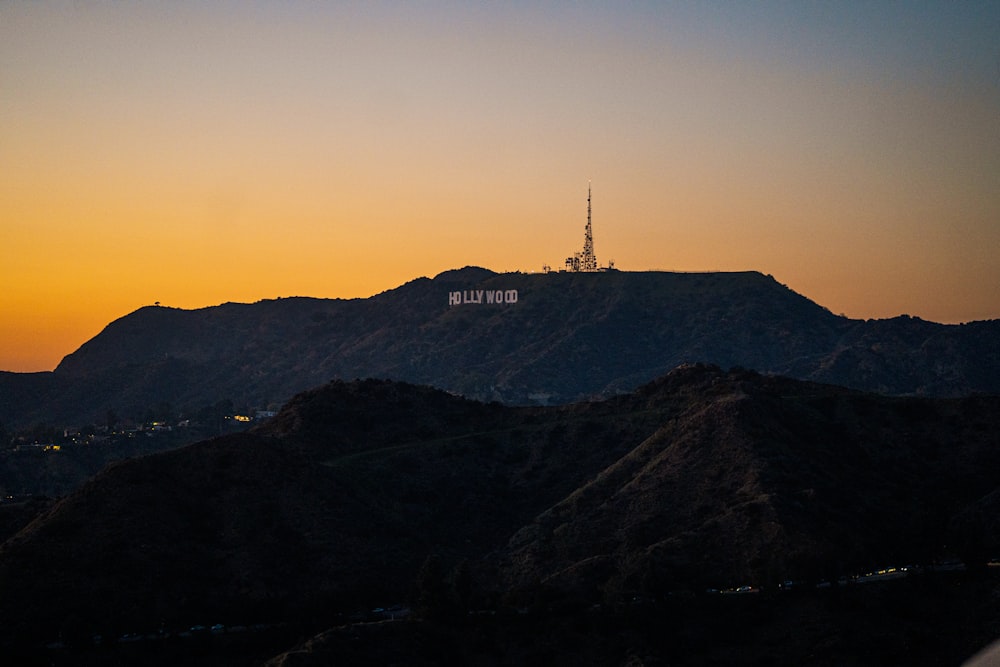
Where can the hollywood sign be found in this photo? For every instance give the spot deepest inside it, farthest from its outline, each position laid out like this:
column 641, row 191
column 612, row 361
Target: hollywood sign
column 492, row 296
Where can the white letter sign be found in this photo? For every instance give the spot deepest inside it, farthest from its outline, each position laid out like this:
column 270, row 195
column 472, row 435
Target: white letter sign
column 491, row 297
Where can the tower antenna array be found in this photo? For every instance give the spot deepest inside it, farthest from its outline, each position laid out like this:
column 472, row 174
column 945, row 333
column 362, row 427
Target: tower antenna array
column 586, row 260
column 589, row 260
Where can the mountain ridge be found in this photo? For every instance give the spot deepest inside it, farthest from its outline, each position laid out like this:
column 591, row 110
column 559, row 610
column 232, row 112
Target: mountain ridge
column 569, row 336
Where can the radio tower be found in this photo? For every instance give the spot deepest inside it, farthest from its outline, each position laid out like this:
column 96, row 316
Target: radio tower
column 584, row 261
column 589, row 261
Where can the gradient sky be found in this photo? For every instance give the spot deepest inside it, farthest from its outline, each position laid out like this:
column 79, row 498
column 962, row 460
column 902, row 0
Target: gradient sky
column 197, row 153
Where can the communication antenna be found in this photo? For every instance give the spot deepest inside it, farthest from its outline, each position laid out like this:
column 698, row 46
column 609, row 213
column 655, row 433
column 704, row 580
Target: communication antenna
column 589, row 262
column 586, row 260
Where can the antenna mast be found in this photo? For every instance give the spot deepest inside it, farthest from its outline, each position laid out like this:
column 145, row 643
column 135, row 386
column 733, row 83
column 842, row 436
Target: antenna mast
column 589, row 262
column 586, row 260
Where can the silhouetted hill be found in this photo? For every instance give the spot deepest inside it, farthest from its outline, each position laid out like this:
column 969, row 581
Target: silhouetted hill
column 702, row 478
column 569, row 336
column 767, row 479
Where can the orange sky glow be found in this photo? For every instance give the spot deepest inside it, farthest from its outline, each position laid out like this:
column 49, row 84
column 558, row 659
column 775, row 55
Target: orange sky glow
column 197, row 153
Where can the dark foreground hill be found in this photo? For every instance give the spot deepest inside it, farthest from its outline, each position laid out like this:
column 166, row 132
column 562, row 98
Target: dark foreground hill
column 579, row 534
column 524, row 339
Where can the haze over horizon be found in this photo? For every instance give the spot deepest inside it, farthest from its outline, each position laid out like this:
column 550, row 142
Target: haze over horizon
column 197, row 153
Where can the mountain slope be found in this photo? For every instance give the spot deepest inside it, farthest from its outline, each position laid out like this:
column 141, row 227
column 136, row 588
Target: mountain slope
column 568, row 336
column 702, row 478
column 767, row 480
column 334, row 504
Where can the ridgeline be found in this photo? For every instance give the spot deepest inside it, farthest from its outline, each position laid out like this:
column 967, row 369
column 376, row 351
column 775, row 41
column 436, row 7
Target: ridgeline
column 515, row 338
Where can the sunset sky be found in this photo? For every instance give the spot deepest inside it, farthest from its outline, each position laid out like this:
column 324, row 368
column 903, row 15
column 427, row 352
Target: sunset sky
column 198, row 153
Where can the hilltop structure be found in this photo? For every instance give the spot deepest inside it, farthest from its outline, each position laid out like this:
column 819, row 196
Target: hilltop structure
column 585, row 261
